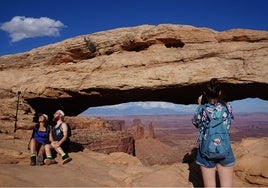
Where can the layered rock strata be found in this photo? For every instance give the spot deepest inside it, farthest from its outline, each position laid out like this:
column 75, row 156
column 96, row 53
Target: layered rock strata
column 100, row 135
column 144, row 63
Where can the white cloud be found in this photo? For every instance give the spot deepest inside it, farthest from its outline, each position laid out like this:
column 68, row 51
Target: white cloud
column 116, row 106
column 153, row 107
column 20, row 27
column 149, row 105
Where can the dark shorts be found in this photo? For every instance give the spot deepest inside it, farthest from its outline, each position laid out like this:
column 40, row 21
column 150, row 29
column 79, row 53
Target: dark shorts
column 38, row 147
column 65, row 146
column 229, row 160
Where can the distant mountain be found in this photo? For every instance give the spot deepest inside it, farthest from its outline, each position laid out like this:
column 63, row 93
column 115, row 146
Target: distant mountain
column 131, row 110
column 158, row 107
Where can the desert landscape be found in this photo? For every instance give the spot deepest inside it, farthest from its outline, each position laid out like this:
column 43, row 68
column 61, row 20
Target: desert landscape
column 177, row 131
column 166, row 62
column 164, row 161
column 171, row 126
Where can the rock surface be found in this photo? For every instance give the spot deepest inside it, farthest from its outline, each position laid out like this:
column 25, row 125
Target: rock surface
column 252, row 161
column 119, row 169
column 100, row 135
column 144, row 63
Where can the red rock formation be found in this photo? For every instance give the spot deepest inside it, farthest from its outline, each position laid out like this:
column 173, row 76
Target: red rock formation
column 252, row 160
column 151, row 133
column 117, row 125
column 139, row 132
column 137, row 129
column 100, row 135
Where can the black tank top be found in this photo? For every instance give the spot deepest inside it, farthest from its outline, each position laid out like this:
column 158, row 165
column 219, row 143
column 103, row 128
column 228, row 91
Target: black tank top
column 58, row 133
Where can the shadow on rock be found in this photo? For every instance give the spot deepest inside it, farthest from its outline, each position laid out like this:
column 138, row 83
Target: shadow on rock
column 75, row 147
column 195, row 175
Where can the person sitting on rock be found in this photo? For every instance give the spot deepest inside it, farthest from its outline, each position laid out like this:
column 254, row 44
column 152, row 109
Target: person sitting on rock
column 38, row 140
column 60, row 140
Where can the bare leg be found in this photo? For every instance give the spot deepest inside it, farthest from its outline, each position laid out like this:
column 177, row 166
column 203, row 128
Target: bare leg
column 60, row 150
column 33, row 146
column 48, row 150
column 49, row 160
column 64, row 156
column 225, row 175
column 40, row 156
column 209, row 176
column 33, row 150
column 41, row 150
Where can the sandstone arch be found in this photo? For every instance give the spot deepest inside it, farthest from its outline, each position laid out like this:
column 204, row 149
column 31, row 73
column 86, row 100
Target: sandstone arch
column 181, row 95
column 145, row 63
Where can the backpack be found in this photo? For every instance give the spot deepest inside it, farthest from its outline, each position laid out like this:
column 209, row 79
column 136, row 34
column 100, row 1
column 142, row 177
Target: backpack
column 69, row 132
column 215, row 142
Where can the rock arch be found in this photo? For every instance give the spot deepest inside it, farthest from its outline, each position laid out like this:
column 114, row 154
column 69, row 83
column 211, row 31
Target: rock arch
column 145, row 63
column 78, row 103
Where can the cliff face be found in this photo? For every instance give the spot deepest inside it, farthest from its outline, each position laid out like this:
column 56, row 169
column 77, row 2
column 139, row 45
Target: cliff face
column 145, row 63
column 252, row 161
column 119, row 169
column 100, row 135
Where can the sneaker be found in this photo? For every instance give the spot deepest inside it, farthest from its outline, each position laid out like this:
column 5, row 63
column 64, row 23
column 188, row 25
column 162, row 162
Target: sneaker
column 33, row 161
column 50, row 161
column 40, row 160
column 66, row 159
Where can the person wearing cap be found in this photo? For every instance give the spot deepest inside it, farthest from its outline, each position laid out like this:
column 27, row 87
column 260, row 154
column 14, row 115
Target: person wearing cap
column 38, row 140
column 60, row 140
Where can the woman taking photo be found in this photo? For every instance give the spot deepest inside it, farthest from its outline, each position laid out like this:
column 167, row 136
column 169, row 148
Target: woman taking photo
column 212, row 107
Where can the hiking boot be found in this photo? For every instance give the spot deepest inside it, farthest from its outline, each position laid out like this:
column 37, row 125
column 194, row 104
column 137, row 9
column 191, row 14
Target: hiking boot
column 40, row 160
column 66, row 159
column 50, row 161
column 33, row 161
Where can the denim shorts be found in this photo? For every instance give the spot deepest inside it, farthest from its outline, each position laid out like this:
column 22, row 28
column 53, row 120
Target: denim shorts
column 229, row 160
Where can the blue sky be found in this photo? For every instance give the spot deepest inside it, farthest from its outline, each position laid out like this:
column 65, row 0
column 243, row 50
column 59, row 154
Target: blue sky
column 28, row 24
column 248, row 105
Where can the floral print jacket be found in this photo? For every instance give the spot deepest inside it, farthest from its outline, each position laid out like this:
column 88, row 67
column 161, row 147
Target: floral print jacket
column 201, row 119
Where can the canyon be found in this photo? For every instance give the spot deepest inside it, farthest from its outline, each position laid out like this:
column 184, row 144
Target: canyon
column 166, row 160
column 166, row 62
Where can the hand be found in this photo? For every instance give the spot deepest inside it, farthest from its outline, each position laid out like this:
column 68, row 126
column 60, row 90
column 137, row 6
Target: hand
column 199, row 100
column 55, row 144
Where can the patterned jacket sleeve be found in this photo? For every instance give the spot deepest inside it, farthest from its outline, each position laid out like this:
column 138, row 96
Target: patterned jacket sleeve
column 200, row 117
column 230, row 116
